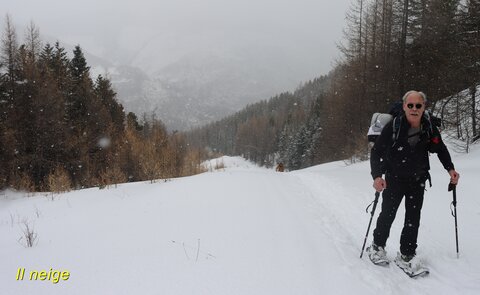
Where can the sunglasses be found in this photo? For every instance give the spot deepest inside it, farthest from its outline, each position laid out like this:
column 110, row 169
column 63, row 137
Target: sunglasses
column 417, row 106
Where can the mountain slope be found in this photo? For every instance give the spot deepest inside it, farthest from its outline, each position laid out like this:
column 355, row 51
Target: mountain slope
column 238, row 230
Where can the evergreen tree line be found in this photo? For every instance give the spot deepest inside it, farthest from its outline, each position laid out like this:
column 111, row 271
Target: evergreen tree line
column 59, row 129
column 390, row 47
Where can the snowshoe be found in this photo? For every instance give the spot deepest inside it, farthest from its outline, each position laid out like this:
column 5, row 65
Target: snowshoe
column 378, row 255
column 411, row 265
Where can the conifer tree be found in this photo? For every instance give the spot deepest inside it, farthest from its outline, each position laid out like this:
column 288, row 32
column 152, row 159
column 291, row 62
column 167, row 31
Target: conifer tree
column 3, row 131
column 106, row 95
column 61, row 68
column 9, row 59
column 80, row 90
column 78, row 65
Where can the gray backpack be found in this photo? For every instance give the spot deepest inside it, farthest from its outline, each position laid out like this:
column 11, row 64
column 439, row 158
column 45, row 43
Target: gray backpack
column 379, row 120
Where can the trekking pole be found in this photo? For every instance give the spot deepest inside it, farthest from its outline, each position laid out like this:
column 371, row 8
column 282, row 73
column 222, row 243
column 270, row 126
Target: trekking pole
column 452, row 187
column 377, row 195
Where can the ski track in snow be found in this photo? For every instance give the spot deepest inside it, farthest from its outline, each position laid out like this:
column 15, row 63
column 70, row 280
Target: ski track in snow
column 238, row 230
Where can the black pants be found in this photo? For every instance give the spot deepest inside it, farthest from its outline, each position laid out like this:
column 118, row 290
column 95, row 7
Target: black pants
column 391, row 198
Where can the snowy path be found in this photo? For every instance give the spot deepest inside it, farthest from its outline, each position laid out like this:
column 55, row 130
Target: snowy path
column 244, row 230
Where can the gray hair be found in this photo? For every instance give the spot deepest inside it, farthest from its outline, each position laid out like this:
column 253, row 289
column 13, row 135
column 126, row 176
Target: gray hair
column 424, row 97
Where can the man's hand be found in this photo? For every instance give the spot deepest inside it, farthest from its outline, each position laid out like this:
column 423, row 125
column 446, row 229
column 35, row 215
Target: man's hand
column 379, row 184
column 454, row 176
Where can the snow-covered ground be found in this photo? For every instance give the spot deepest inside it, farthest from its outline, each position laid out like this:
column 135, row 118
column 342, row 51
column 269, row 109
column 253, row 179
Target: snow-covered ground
column 237, row 230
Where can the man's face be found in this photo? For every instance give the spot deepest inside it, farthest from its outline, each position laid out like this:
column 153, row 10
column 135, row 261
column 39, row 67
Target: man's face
column 414, row 107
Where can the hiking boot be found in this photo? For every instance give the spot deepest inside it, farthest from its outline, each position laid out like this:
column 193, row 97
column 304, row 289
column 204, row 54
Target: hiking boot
column 377, row 254
column 406, row 258
column 409, row 261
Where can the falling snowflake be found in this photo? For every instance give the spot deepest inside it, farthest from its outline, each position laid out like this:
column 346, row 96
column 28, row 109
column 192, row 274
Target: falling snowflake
column 104, row 142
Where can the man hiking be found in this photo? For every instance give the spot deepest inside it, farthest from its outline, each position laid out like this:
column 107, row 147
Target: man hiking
column 401, row 153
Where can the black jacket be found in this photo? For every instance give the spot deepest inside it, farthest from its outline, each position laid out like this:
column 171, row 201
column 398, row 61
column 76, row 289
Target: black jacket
column 398, row 159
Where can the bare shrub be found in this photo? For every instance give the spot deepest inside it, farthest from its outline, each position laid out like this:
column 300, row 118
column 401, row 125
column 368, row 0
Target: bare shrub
column 219, row 164
column 23, row 182
column 12, row 219
column 112, row 176
column 29, row 237
column 59, row 181
column 360, row 151
column 193, row 164
column 37, row 212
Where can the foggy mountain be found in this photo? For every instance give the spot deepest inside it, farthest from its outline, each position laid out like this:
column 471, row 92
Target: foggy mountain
column 203, row 87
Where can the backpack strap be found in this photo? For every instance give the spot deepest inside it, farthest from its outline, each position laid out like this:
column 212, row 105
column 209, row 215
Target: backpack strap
column 396, row 125
column 427, row 116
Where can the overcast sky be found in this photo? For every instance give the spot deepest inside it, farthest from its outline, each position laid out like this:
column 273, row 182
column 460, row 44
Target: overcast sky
column 120, row 30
